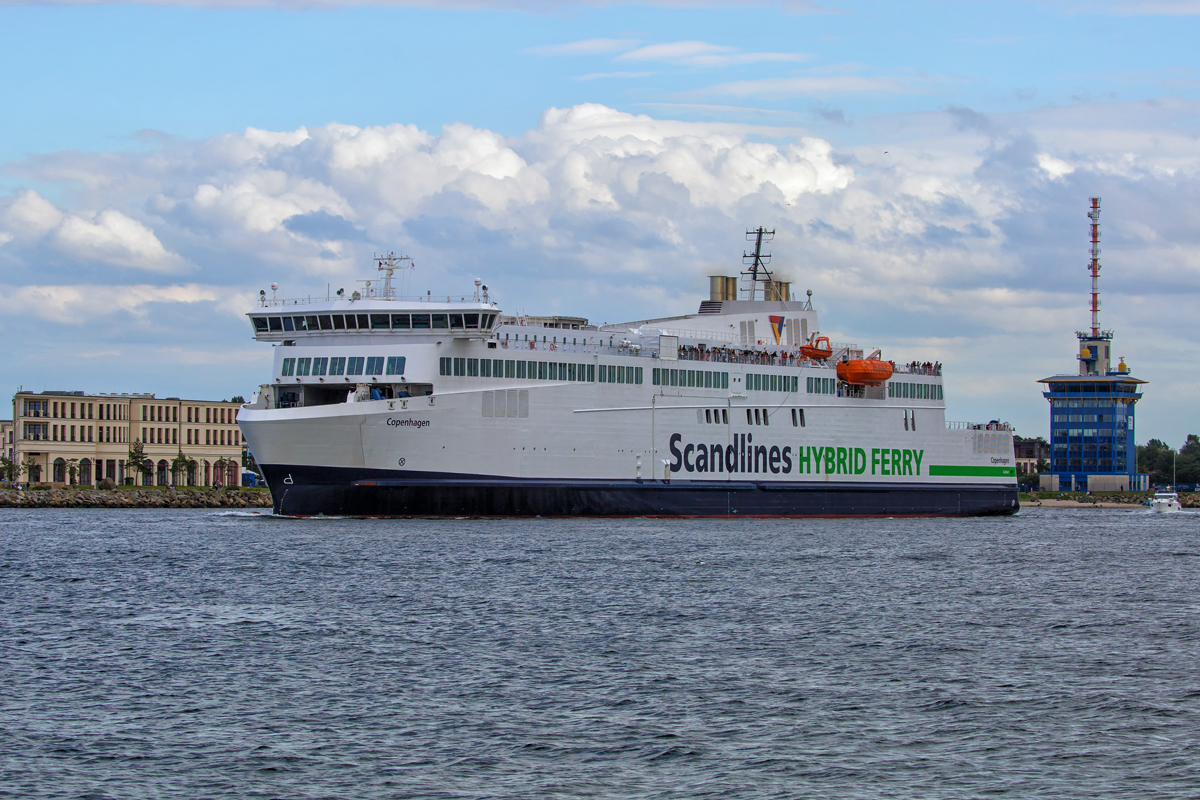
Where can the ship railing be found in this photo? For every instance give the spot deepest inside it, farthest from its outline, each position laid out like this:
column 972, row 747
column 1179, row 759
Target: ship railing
column 647, row 347
column 917, row 368
column 978, row 426
column 370, row 294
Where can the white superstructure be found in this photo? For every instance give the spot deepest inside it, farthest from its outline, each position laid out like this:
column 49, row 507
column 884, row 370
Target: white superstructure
column 381, row 404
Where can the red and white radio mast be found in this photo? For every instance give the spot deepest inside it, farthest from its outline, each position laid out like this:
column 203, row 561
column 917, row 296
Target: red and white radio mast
column 1094, row 215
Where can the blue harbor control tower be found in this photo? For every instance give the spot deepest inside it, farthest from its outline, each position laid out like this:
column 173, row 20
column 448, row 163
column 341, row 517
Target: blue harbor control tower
column 1092, row 413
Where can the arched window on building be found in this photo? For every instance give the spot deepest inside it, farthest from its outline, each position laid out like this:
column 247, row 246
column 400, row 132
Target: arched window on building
column 207, row 474
column 191, row 473
column 161, row 476
column 231, row 473
column 85, row 471
column 59, row 474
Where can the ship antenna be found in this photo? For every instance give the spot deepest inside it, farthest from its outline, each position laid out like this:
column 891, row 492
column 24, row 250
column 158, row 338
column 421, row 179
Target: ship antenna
column 388, row 265
column 758, row 260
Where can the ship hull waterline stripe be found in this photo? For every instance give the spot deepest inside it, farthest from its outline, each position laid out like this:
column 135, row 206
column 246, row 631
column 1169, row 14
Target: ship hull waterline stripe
column 312, row 491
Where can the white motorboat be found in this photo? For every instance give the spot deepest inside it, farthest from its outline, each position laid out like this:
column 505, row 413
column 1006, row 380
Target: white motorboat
column 1165, row 503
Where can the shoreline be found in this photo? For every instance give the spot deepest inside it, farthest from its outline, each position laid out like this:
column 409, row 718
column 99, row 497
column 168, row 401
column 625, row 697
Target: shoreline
column 1081, row 504
column 135, row 497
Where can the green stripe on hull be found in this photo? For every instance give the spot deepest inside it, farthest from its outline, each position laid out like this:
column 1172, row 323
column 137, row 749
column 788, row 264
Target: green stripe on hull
column 972, row 472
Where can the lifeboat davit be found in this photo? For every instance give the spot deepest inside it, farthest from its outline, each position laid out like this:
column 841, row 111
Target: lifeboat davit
column 814, row 350
column 864, row 371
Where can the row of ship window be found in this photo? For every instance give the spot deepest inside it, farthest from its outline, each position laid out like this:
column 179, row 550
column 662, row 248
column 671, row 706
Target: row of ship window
column 342, row 365
column 915, row 391
column 690, row 378
column 373, row 322
column 538, row 370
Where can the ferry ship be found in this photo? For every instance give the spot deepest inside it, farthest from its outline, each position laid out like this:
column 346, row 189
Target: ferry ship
column 386, row 405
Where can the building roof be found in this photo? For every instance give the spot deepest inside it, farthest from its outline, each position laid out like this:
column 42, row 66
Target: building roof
column 1119, row 378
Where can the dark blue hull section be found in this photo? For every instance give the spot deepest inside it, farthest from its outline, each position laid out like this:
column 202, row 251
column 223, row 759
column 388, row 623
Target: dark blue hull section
column 308, row 491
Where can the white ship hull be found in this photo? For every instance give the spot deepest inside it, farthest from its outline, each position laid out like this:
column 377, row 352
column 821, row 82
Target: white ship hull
column 590, row 448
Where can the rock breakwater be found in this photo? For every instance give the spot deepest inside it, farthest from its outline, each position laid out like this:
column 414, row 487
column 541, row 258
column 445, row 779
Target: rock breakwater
column 75, row 497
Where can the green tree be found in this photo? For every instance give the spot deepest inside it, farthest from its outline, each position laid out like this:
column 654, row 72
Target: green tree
column 1165, row 465
column 180, row 465
column 1187, row 468
column 31, row 469
column 220, row 468
column 8, row 469
column 136, row 459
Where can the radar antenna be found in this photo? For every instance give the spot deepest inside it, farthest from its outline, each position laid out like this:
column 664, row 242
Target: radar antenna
column 758, row 260
column 387, row 265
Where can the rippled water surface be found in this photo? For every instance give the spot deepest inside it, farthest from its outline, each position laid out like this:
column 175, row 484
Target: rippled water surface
column 200, row 654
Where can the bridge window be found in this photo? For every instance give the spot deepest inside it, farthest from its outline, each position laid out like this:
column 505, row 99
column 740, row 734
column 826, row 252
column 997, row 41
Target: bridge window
column 420, row 322
column 374, row 365
column 260, row 324
column 440, row 321
column 289, row 324
column 395, row 365
column 471, row 320
column 276, row 323
column 379, row 322
column 456, row 321
column 326, row 322
column 312, row 323
column 339, row 322
column 337, row 365
column 400, row 322
column 354, row 366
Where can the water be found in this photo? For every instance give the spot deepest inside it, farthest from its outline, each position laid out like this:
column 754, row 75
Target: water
column 204, row 654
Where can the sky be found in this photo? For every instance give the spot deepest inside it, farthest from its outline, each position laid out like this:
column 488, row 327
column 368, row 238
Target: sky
column 927, row 168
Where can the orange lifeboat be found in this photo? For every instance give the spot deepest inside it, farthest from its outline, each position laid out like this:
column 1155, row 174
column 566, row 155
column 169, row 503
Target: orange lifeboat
column 816, row 351
column 864, row 371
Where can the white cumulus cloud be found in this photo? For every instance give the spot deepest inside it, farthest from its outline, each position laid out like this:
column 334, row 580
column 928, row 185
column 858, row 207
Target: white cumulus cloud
column 112, row 237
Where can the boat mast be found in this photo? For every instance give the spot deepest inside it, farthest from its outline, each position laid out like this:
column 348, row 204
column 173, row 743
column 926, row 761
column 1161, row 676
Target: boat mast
column 387, row 265
column 757, row 260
